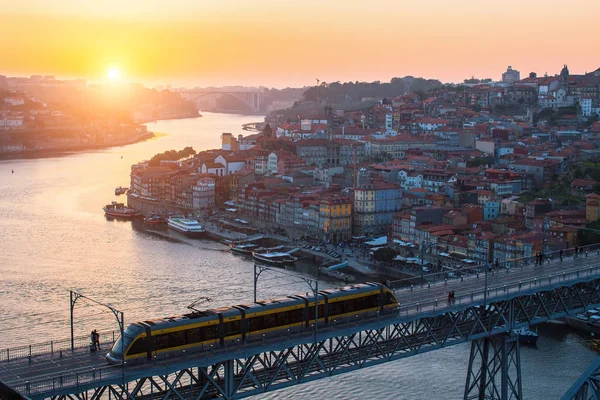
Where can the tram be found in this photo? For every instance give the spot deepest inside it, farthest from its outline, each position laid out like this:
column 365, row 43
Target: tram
column 241, row 324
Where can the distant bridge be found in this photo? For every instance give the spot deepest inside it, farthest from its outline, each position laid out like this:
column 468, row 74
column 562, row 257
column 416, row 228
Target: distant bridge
column 253, row 99
column 486, row 310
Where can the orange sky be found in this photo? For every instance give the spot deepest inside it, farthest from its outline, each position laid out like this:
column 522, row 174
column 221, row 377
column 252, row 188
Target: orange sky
column 281, row 43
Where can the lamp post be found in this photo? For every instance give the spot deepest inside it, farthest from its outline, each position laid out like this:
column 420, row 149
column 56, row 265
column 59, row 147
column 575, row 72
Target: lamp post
column 424, row 246
column 119, row 316
column 312, row 283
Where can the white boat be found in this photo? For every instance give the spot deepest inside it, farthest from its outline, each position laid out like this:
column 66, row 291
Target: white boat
column 275, row 258
column 332, row 273
column 120, row 190
column 189, row 227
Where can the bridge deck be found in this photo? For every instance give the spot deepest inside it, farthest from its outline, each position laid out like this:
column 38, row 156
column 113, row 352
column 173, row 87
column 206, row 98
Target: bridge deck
column 416, row 302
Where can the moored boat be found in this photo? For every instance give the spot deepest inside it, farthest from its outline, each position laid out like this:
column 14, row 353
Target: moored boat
column 526, row 336
column 189, row 227
column 274, row 258
column 120, row 190
column 588, row 321
column 118, row 210
column 154, row 220
column 245, row 248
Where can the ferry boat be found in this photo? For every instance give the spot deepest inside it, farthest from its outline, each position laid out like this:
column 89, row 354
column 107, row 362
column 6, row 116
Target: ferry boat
column 245, row 249
column 189, row 227
column 120, row 190
column 118, row 210
column 276, row 258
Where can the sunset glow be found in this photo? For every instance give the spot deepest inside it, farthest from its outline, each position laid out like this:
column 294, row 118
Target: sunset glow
column 113, row 74
column 289, row 43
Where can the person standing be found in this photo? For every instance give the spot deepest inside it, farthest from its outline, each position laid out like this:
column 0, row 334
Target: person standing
column 97, row 339
column 93, row 341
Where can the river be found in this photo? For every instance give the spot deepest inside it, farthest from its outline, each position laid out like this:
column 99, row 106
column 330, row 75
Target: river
column 53, row 236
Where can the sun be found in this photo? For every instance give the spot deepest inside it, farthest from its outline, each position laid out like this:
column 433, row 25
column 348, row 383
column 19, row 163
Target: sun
column 113, row 74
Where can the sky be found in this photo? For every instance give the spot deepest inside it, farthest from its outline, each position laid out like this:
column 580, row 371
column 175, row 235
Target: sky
column 279, row 43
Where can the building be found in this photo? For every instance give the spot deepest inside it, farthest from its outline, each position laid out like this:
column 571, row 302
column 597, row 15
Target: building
column 335, row 216
column 511, row 75
column 203, row 194
column 374, row 207
column 592, row 207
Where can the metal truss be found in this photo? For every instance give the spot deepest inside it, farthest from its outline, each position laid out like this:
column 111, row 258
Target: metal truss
column 587, row 387
column 346, row 346
column 494, row 369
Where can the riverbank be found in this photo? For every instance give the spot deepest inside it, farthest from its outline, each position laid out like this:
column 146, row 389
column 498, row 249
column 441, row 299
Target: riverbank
column 66, row 149
column 183, row 116
column 253, row 127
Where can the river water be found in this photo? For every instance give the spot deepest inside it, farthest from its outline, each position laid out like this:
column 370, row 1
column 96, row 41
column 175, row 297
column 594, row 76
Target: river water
column 53, row 237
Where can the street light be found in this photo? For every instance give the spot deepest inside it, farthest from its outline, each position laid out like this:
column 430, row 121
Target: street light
column 424, row 246
column 74, row 296
column 312, row 283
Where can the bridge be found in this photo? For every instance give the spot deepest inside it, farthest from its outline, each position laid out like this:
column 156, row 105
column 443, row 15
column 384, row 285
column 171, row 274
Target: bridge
column 253, row 99
column 487, row 307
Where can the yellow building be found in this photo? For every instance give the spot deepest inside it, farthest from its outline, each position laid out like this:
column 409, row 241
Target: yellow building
column 335, row 216
column 592, row 207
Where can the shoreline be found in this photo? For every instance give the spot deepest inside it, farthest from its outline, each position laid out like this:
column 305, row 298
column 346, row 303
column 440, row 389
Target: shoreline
column 146, row 121
column 43, row 153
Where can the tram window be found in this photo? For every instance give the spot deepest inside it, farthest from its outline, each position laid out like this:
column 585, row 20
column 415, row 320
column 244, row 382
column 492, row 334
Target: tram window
column 269, row 321
column 295, row 316
column 360, row 303
column 389, row 298
column 177, row 339
column 372, row 301
column 161, row 341
column 232, row 328
column 139, row 346
column 349, row 306
column 255, row 324
column 283, row 318
column 336, row 308
column 312, row 312
column 209, row 332
column 194, row 335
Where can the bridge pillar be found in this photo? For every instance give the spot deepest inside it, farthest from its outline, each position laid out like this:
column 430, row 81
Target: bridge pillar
column 494, row 369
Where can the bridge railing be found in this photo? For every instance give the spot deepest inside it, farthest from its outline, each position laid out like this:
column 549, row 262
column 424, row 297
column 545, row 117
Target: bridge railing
column 55, row 346
column 511, row 264
column 493, row 292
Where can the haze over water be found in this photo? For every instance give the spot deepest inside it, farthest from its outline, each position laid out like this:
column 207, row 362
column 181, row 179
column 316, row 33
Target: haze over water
column 54, row 236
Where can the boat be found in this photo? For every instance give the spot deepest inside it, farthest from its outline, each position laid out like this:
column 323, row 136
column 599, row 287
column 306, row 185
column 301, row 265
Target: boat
column 245, row 248
column 274, row 258
column 189, row 227
column 154, row 220
column 120, row 190
column 118, row 210
column 332, row 273
column 588, row 321
column 526, row 336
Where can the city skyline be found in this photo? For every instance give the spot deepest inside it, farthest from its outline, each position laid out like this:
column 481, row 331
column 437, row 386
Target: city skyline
column 277, row 44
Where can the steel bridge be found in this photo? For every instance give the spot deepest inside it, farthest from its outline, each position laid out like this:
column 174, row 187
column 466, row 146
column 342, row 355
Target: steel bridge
column 253, row 99
column 486, row 310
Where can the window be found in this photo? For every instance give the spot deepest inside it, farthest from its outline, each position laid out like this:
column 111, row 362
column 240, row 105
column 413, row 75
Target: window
column 209, row 332
column 194, row 335
column 232, row 328
column 138, row 346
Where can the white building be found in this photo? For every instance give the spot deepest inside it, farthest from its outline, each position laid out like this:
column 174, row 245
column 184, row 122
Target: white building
column 586, row 106
column 14, row 101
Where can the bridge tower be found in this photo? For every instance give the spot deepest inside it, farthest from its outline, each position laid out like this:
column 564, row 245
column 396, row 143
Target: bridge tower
column 494, row 369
